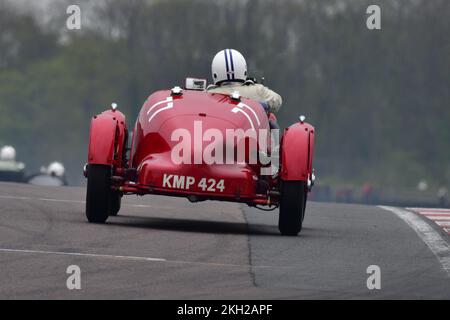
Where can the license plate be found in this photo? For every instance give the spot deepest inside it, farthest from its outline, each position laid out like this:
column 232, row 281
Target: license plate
column 191, row 183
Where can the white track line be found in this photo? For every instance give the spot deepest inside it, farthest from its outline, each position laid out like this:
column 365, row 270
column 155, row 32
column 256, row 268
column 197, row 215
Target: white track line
column 438, row 218
column 92, row 255
column 59, row 200
column 430, row 209
column 15, row 198
column 76, row 201
column 153, row 206
column 445, row 224
column 434, row 215
column 137, row 258
column 433, row 239
column 41, row 199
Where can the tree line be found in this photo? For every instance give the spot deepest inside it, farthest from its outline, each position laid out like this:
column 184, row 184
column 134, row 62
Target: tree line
column 379, row 99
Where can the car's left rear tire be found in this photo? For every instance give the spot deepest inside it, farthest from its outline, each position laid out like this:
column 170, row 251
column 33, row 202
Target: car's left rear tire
column 292, row 207
column 98, row 194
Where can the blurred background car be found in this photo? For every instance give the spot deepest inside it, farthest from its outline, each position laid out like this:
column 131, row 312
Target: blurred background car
column 53, row 175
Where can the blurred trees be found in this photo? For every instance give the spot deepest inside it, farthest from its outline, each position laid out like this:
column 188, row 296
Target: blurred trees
column 379, row 99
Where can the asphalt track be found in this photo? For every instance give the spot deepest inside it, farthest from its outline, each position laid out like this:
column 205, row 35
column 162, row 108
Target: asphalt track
column 168, row 248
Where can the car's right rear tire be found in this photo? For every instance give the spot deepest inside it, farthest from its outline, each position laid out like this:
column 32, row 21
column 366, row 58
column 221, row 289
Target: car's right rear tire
column 98, row 193
column 292, row 207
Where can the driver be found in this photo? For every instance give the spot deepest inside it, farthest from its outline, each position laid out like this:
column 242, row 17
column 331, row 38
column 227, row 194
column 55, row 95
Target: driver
column 10, row 169
column 229, row 73
column 57, row 170
column 8, row 160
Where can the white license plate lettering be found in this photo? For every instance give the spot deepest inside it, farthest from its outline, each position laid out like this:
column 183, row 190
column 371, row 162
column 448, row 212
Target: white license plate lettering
column 188, row 183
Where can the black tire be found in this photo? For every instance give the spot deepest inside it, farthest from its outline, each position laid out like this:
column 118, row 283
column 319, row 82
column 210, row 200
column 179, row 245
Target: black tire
column 292, row 207
column 98, row 193
column 304, row 206
column 115, row 202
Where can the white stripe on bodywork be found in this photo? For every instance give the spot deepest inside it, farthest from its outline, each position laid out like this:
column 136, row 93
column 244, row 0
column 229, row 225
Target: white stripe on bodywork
column 169, row 99
column 243, row 105
column 431, row 237
column 169, row 106
column 236, row 109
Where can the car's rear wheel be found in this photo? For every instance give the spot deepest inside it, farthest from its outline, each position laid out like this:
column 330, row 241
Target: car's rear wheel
column 98, row 195
column 292, row 207
column 304, row 205
column 115, row 202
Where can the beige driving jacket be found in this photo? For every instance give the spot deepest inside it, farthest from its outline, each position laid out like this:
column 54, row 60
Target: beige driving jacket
column 256, row 92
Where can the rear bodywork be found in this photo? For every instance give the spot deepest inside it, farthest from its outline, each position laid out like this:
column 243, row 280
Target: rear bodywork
column 148, row 166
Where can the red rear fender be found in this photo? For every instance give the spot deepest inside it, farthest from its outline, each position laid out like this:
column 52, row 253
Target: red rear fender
column 297, row 147
column 107, row 139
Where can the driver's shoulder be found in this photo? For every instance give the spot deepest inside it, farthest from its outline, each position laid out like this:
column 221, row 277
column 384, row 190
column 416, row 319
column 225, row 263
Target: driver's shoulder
column 224, row 88
column 211, row 87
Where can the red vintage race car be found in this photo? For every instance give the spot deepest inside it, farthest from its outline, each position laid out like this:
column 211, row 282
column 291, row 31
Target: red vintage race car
column 202, row 146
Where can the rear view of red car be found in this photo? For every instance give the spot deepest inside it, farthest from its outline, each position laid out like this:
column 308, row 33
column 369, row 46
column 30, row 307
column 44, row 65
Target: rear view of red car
column 202, row 146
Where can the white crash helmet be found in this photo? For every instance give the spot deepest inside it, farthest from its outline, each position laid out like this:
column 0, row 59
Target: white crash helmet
column 229, row 65
column 8, row 153
column 56, row 169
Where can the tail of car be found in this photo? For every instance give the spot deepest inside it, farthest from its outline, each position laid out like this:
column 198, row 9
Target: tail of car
column 150, row 167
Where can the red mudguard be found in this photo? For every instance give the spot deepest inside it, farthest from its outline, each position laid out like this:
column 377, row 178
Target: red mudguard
column 297, row 147
column 107, row 138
